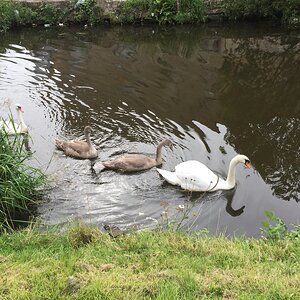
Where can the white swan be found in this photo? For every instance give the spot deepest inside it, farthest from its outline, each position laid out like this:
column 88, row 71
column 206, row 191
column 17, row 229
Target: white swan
column 10, row 127
column 192, row 175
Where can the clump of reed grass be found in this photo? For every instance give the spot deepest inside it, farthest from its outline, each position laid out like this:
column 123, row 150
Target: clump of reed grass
column 82, row 234
column 18, row 181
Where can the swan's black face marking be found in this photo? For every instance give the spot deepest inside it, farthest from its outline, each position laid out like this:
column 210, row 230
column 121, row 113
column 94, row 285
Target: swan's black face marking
column 19, row 107
column 247, row 163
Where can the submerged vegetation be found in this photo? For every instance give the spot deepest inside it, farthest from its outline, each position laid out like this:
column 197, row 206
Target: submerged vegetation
column 14, row 13
column 18, row 181
column 84, row 263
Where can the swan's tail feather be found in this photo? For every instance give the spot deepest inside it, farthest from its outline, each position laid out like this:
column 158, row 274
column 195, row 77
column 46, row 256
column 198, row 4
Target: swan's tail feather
column 169, row 176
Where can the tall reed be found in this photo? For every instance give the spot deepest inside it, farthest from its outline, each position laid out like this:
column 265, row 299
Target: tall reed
column 18, row 180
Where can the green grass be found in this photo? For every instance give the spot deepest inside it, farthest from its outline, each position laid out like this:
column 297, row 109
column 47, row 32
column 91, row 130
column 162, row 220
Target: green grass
column 18, row 181
column 84, row 263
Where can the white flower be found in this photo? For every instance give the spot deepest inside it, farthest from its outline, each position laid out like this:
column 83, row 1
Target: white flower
column 141, row 213
column 181, row 206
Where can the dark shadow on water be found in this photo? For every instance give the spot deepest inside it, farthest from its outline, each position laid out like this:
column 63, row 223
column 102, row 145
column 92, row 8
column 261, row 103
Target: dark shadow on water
column 20, row 219
column 26, row 138
column 233, row 212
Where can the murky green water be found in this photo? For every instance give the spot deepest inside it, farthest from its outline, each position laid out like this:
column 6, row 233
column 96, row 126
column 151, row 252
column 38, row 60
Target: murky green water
column 214, row 91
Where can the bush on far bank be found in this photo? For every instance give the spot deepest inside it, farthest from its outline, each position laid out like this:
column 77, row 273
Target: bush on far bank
column 13, row 14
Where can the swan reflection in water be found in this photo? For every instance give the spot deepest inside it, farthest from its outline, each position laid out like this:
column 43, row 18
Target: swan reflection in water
column 228, row 196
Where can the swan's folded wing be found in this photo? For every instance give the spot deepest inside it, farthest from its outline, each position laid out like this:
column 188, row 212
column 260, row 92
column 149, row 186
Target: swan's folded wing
column 59, row 144
column 79, row 146
column 73, row 153
column 72, row 146
column 129, row 163
column 169, row 176
column 195, row 176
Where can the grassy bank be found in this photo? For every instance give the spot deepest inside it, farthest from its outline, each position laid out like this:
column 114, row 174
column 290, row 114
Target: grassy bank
column 18, row 181
column 13, row 14
column 16, row 14
column 84, row 263
column 284, row 11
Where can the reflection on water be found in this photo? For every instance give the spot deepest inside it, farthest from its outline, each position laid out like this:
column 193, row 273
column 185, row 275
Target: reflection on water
column 214, row 91
column 277, row 151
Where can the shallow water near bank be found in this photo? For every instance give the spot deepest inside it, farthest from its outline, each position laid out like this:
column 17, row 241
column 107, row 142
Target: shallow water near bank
column 214, row 91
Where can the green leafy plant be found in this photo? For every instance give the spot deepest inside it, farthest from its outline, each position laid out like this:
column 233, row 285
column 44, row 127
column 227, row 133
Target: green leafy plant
column 8, row 15
column 164, row 11
column 286, row 11
column 15, row 14
column 131, row 10
column 87, row 11
column 48, row 13
column 276, row 229
column 191, row 11
column 26, row 15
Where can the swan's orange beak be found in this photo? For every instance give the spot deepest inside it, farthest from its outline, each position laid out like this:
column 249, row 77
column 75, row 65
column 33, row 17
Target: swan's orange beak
column 248, row 164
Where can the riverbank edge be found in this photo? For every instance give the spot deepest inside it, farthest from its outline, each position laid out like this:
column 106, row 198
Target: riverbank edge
column 214, row 10
column 84, row 263
column 20, row 13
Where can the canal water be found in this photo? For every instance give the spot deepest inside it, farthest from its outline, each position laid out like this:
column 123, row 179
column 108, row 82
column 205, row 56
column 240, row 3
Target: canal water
column 215, row 91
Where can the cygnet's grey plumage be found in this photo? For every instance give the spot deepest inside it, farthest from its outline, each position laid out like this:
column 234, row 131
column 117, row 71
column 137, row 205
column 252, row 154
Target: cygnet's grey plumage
column 136, row 162
column 78, row 148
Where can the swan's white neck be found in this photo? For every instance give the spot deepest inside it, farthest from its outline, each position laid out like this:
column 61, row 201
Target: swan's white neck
column 230, row 181
column 20, row 117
